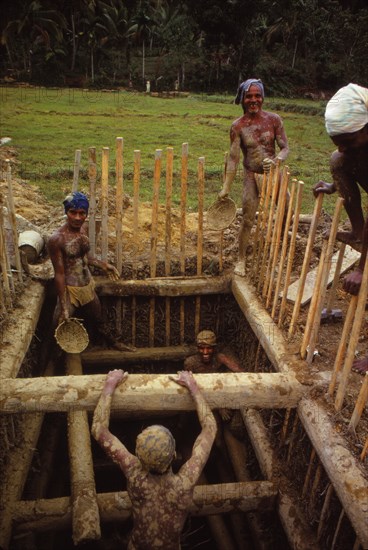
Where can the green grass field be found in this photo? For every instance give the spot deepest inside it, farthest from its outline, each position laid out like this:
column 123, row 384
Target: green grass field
column 48, row 125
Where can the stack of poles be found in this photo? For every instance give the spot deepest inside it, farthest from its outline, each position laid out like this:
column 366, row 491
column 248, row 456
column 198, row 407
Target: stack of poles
column 119, row 211
column 7, row 284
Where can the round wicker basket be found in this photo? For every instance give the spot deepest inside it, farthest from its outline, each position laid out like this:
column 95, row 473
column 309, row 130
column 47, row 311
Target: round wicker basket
column 221, row 214
column 71, row 336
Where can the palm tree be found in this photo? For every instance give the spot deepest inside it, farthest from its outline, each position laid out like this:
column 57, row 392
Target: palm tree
column 141, row 28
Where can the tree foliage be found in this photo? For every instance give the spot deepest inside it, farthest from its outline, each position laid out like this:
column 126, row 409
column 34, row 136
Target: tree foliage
column 293, row 45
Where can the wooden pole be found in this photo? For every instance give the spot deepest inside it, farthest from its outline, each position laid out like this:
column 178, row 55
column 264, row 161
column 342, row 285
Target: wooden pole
column 200, row 238
column 350, row 354
column 4, row 263
column 183, row 206
column 270, row 224
column 86, row 518
column 325, row 511
column 13, row 221
column 343, row 342
column 305, row 267
column 154, row 233
column 364, row 451
column 105, row 204
column 119, row 168
column 290, row 261
column 169, row 184
column 324, row 281
column 151, row 391
column 335, row 282
column 92, row 177
column 284, row 247
column 136, row 184
column 311, row 462
column 275, row 243
column 77, row 162
column 360, row 404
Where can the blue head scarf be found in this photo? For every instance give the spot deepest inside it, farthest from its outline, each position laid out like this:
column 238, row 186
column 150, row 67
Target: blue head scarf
column 244, row 87
column 76, row 200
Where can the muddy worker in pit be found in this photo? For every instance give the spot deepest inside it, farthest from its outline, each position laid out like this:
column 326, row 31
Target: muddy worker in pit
column 346, row 120
column 69, row 251
column 256, row 134
column 160, row 499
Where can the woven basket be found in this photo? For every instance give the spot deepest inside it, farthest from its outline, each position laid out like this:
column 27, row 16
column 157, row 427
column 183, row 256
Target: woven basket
column 221, row 214
column 71, row 336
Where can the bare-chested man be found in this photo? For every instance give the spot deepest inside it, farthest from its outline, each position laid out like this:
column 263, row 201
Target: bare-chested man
column 69, row 251
column 256, row 134
column 346, row 120
column 160, row 499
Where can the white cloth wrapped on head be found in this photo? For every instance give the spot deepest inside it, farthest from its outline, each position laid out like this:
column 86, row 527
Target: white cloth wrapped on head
column 347, row 110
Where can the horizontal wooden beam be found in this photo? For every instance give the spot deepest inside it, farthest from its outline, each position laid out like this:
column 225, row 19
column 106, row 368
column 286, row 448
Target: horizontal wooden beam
column 165, row 286
column 150, row 392
column 52, row 514
column 140, row 355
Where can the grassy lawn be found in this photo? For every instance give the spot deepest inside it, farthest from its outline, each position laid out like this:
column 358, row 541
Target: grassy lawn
column 48, row 125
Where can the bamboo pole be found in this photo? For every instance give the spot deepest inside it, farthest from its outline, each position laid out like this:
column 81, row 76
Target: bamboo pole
column 119, row 168
column 105, row 204
column 360, row 404
column 183, row 206
column 86, row 518
column 200, row 238
column 312, row 312
column 324, row 281
column 270, row 224
column 77, row 162
column 284, row 247
column 343, row 343
column 263, row 226
column 13, row 221
column 169, row 184
column 119, row 174
column 4, row 264
column 307, row 256
column 92, row 177
column 335, row 282
column 350, row 354
column 291, row 254
column 154, row 233
column 275, row 243
column 136, row 184
column 364, row 451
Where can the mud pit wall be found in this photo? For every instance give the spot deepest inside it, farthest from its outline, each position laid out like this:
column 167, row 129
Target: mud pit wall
column 296, row 466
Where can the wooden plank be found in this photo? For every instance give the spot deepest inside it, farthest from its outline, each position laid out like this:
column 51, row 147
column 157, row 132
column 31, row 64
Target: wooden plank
column 150, row 392
column 53, row 514
column 350, row 257
column 118, row 358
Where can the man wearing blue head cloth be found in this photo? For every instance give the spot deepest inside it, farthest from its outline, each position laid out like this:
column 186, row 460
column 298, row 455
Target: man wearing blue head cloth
column 69, row 251
column 256, row 134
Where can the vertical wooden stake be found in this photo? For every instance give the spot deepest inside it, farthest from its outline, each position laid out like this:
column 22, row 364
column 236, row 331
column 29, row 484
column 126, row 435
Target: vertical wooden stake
column 335, row 282
column 153, row 257
column 183, row 206
column 105, row 204
column 13, row 222
column 200, row 237
column 119, row 174
column 325, row 510
column 307, row 255
column 262, row 213
column 350, row 354
column 136, row 183
column 364, row 451
column 92, row 177
column 290, row 261
column 77, row 162
column 4, row 264
column 360, row 404
column 169, row 183
column 312, row 459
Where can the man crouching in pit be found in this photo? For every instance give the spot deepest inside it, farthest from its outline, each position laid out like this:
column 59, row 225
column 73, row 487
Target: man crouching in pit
column 160, row 499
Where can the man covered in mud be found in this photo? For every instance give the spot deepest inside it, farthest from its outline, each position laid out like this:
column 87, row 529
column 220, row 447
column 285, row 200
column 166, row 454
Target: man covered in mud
column 160, row 499
column 256, row 134
column 208, row 359
column 346, row 120
column 69, row 251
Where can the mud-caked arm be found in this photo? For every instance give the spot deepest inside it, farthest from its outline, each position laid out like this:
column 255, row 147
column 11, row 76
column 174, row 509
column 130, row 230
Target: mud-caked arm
column 112, row 446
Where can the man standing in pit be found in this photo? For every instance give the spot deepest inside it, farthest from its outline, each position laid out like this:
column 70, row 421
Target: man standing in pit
column 160, row 499
column 346, row 119
column 256, row 134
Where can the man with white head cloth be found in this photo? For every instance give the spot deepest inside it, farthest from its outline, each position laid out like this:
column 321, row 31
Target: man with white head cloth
column 346, row 120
